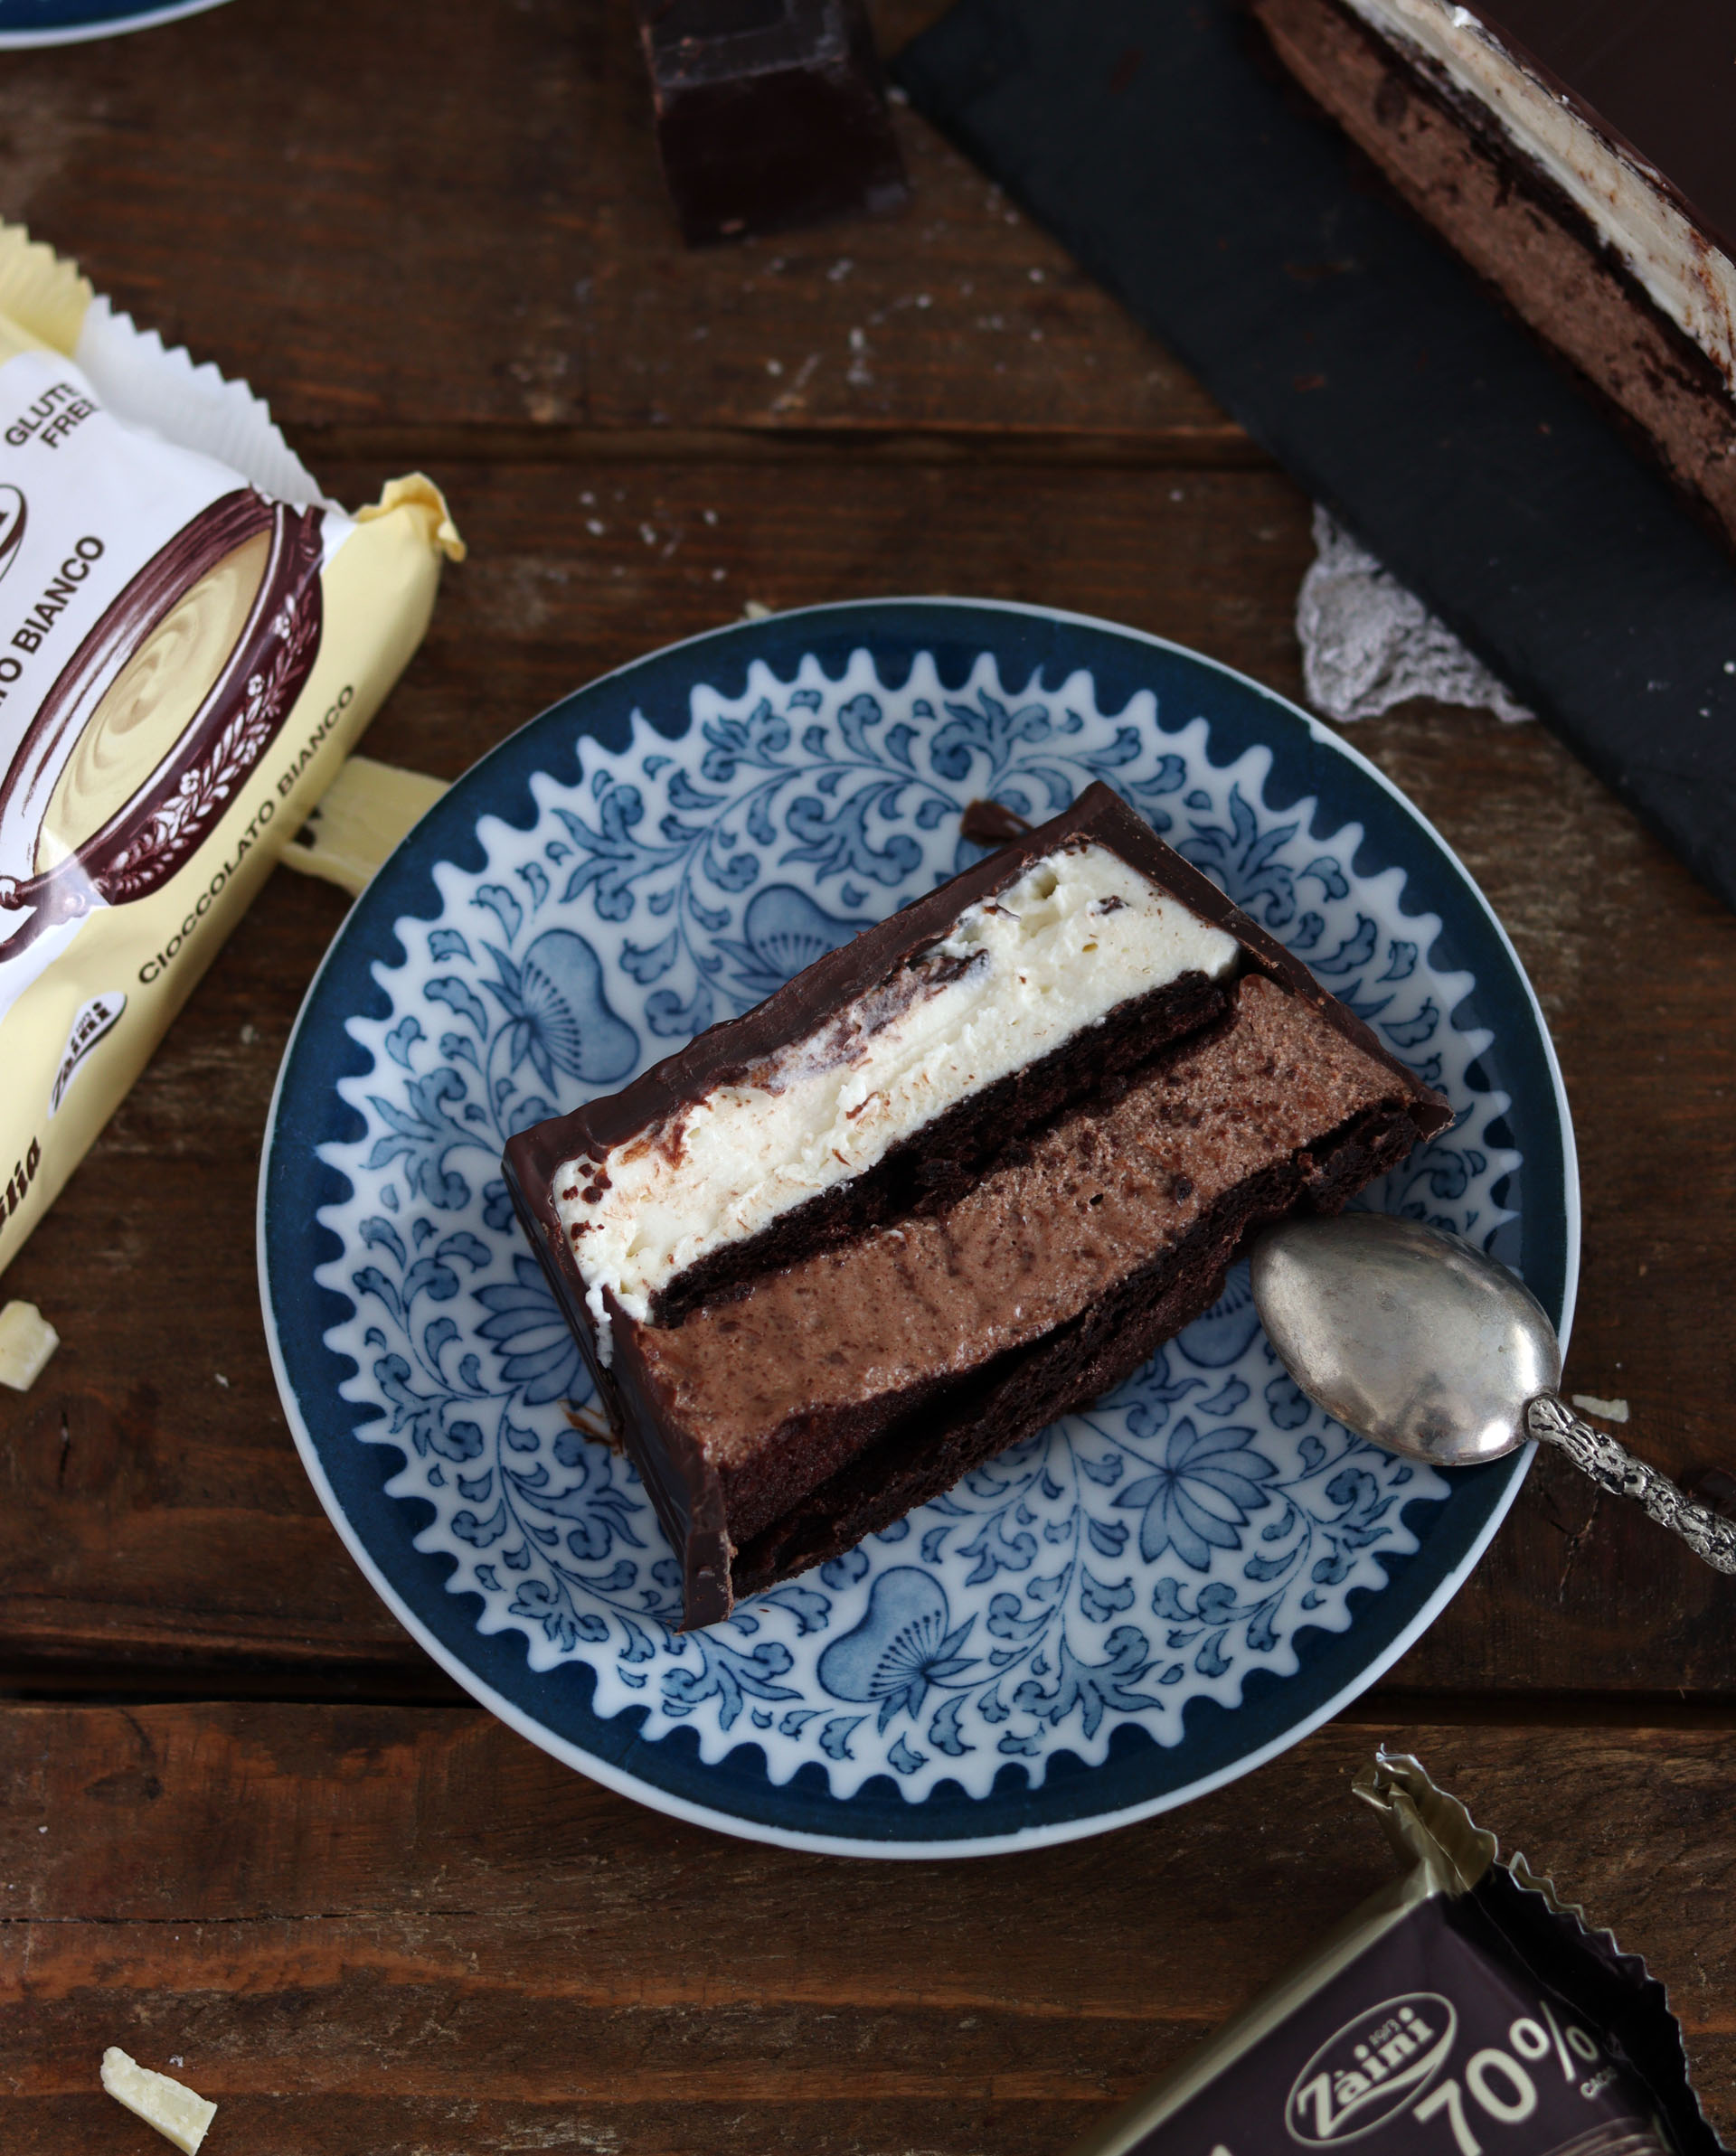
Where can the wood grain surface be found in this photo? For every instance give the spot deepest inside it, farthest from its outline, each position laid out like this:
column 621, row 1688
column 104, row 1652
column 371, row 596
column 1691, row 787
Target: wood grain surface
column 464, row 229
column 393, row 1929
column 367, row 1917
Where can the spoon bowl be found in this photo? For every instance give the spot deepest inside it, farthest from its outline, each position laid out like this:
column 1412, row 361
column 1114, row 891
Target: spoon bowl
column 1420, row 1342
column 1405, row 1335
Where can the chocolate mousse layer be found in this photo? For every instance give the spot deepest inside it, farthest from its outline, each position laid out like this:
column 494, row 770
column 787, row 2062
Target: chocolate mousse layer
column 820, row 1359
column 1452, row 159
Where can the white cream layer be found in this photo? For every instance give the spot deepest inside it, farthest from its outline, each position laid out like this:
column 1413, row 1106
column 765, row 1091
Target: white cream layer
column 1081, row 932
column 1687, row 277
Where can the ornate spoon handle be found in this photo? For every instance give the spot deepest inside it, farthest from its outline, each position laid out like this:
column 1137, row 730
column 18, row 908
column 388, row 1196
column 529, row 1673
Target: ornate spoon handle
column 1614, row 1468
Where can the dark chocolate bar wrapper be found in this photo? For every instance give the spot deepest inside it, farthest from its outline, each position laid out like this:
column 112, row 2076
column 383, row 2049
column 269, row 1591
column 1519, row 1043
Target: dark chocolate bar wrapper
column 1466, row 2011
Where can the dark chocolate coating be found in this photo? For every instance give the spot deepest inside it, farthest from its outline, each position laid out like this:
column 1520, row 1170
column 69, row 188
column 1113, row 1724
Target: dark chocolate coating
column 770, row 113
column 1656, row 76
column 685, row 1487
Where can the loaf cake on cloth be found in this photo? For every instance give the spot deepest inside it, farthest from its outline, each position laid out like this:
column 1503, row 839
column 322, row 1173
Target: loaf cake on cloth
column 954, row 1180
column 1581, row 155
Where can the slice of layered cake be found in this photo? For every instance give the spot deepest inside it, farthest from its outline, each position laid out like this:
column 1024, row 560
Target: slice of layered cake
column 956, row 1179
column 1580, row 155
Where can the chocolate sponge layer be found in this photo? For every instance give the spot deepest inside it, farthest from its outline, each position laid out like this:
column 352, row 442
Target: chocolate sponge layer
column 968, row 1290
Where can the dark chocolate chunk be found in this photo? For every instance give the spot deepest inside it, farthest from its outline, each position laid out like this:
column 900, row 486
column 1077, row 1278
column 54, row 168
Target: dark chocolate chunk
column 770, row 113
column 988, row 823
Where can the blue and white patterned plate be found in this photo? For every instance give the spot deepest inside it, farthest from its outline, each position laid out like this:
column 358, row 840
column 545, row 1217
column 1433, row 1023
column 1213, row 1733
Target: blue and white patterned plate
column 71, row 22
column 1147, row 1599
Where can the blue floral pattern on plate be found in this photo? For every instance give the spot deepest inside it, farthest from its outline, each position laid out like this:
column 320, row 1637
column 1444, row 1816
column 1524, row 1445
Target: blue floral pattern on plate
column 1128, row 1563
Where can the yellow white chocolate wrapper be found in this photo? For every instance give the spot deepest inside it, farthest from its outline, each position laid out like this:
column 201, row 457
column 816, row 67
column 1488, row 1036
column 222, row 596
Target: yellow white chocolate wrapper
column 191, row 638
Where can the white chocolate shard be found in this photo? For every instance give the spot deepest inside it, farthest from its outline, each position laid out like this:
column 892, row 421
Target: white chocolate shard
column 361, row 817
column 27, row 1339
column 176, row 2112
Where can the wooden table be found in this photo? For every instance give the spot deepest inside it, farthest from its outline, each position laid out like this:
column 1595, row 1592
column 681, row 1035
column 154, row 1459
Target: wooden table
column 243, row 1821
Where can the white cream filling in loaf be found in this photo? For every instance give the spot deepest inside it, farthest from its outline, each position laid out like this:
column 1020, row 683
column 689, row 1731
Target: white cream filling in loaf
column 1017, row 976
column 1688, row 277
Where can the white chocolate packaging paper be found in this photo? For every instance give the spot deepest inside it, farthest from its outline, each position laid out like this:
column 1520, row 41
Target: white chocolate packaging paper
column 191, row 638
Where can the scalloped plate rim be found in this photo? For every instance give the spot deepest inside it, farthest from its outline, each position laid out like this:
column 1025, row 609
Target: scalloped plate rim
column 1047, row 1833
column 119, row 20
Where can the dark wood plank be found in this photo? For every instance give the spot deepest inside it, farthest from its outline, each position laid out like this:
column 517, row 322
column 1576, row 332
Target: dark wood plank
column 405, row 1929
column 466, row 227
column 155, row 1518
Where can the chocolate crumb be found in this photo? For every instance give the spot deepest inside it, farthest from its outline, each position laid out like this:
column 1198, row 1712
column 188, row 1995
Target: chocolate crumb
column 991, row 823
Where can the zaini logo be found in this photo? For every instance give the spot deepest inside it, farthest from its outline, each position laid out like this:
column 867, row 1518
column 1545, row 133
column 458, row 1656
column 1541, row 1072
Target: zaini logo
column 1371, row 2070
column 12, row 526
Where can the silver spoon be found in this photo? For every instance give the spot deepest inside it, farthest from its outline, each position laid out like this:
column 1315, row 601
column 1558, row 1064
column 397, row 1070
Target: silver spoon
column 1420, row 1342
